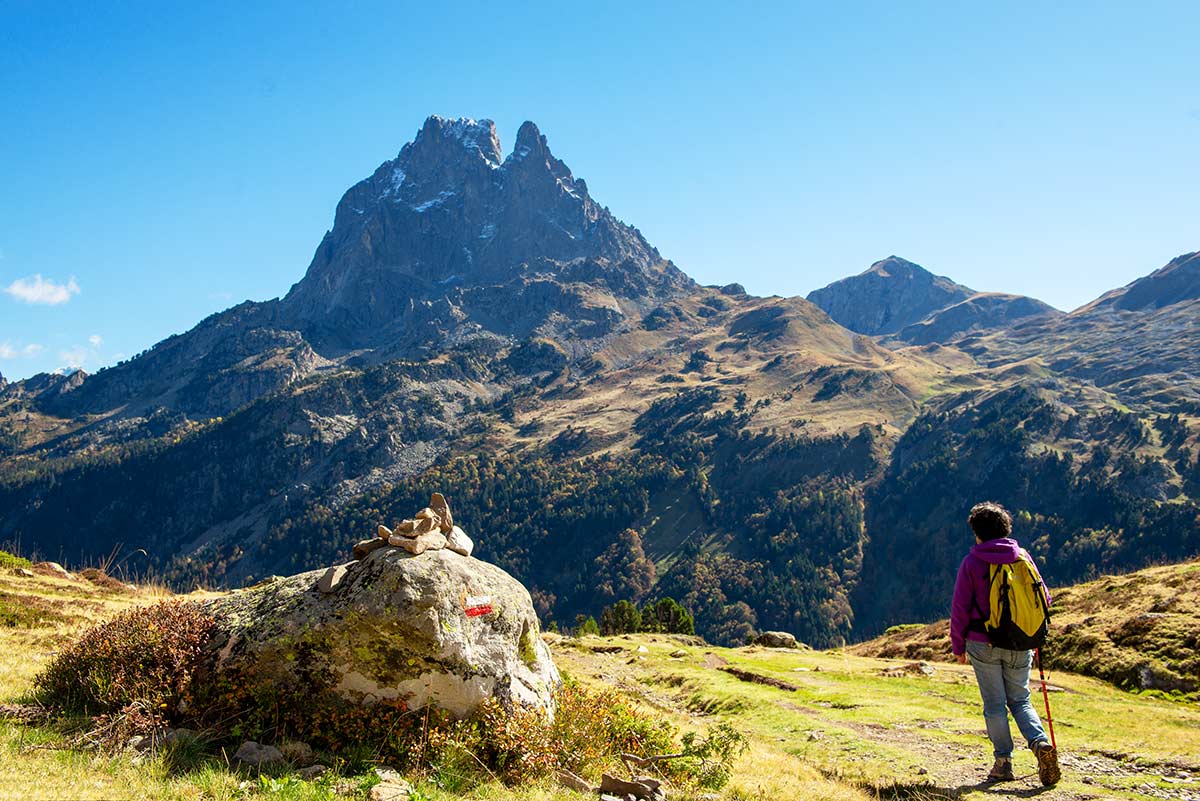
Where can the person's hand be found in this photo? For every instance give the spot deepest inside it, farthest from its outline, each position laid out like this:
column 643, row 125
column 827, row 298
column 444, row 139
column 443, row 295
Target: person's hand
column 962, row 658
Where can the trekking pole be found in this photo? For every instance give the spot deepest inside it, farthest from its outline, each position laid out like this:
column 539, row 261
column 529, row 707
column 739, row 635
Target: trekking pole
column 1046, row 695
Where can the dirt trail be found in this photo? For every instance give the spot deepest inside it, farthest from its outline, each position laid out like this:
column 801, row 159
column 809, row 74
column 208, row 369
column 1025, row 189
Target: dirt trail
column 956, row 770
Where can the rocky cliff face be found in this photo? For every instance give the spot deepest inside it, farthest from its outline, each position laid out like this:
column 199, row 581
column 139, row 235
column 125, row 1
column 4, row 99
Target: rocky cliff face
column 44, row 387
column 891, row 294
column 450, row 238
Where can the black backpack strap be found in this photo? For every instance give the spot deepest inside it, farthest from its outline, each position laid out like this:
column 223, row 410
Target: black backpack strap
column 979, row 624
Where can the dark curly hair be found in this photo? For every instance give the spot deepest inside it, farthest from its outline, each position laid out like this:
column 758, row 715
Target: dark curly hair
column 990, row 521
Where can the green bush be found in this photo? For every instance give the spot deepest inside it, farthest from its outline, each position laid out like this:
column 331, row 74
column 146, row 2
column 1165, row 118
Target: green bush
column 669, row 617
column 708, row 761
column 144, row 656
column 10, row 560
column 664, row 617
column 621, row 618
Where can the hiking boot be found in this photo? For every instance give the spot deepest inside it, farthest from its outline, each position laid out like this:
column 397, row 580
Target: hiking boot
column 1001, row 771
column 1047, row 757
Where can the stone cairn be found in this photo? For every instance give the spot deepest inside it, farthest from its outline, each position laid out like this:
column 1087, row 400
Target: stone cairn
column 431, row 529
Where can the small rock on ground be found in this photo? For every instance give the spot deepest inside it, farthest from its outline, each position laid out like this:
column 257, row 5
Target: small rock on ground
column 251, row 753
column 392, row 776
column 298, row 753
column 390, row 792
column 776, row 639
column 330, row 579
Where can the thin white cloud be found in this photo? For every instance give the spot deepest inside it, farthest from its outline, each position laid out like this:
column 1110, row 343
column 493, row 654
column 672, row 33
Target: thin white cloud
column 73, row 358
column 10, row 351
column 42, row 291
column 95, row 340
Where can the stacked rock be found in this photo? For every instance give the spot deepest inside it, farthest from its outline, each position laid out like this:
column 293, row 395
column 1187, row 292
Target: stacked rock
column 430, row 529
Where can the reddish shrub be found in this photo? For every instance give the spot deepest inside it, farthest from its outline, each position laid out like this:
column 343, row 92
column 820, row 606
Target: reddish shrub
column 145, row 655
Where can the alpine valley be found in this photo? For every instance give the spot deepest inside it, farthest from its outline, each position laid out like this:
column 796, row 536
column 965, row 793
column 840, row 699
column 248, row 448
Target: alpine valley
column 478, row 325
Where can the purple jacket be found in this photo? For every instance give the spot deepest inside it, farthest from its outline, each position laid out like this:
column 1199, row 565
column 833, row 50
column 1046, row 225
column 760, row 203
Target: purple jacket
column 972, row 591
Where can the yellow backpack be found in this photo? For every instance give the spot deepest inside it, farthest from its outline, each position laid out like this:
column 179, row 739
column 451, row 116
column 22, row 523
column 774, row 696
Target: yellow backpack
column 1017, row 599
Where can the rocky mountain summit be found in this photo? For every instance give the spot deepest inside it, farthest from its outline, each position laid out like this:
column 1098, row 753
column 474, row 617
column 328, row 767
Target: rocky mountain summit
column 889, row 295
column 904, row 300
column 452, row 238
column 448, row 243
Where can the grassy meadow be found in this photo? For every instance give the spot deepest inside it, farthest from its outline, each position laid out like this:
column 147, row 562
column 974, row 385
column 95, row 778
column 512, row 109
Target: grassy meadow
column 821, row 725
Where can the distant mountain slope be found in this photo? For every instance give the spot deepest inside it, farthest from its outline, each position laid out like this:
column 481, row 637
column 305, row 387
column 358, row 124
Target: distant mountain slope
column 984, row 310
column 891, row 294
column 1139, row 341
column 1176, row 282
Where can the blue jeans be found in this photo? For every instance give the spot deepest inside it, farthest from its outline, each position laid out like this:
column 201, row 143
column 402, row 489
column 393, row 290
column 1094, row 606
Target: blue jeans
column 1003, row 677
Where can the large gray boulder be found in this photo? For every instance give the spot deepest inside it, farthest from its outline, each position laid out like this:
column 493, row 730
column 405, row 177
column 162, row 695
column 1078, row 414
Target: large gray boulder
column 438, row 628
column 776, row 639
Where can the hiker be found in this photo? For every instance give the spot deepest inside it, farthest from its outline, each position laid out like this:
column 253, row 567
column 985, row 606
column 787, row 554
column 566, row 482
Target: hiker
column 975, row 625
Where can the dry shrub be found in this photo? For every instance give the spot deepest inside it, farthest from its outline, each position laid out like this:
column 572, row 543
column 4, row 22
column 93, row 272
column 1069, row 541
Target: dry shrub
column 588, row 733
column 144, row 656
column 114, row 730
column 103, row 580
column 592, row 727
column 517, row 745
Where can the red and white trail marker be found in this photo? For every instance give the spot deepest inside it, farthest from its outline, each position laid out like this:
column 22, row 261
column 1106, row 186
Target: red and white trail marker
column 477, row 605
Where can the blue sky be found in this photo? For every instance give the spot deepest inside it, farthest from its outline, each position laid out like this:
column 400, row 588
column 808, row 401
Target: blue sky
column 160, row 162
